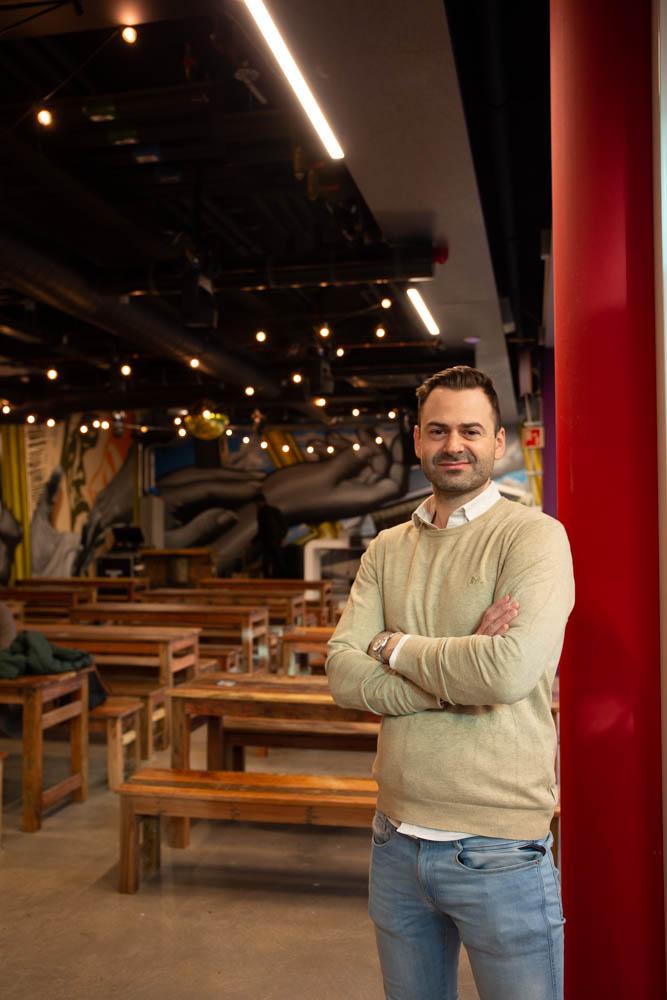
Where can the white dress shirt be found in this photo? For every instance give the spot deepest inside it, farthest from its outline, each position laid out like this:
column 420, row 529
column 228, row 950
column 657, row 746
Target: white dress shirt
column 462, row 515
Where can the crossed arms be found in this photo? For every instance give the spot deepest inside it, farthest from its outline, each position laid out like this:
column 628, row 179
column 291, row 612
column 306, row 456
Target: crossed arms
column 500, row 664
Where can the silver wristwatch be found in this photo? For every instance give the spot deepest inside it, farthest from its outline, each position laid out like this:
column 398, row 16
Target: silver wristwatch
column 378, row 646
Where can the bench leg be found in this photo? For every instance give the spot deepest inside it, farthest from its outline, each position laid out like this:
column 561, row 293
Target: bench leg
column 146, row 728
column 1, row 786
column 114, row 752
column 234, row 759
column 214, row 744
column 178, row 830
column 150, row 844
column 79, row 743
column 135, row 722
column 128, row 874
column 33, row 748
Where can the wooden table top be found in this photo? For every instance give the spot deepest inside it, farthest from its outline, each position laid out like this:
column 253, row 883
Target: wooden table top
column 278, row 690
column 127, row 610
column 83, row 581
column 33, row 681
column 152, row 633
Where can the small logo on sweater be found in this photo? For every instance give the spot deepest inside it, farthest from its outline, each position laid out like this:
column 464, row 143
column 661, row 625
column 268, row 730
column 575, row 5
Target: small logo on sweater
column 475, row 580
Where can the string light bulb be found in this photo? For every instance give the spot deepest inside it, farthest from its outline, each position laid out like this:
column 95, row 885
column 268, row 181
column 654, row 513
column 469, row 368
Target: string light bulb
column 380, row 332
column 6, row 409
column 83, row 429
column 310, row 449
column 206, row 414
column 246, row 439
column 378, row 440
column 129, row 34
column 285, row 448
column 50, row 422
column 260, row 337
column 31, row 418
column 320, row 401
column 330, row 449
column 105, row 425
column 356, row 446
column 194, row 362
column 44, row 117
column 143, row 429
column 340, row 352
column 324, row 331
column 96, row 423
column 52, row 374
column 125, row 370
column 264, row 445
column 178, row 421
column 229, row 432
column 356, row 411
column 249, row 390
column 386, row 303
column 297, row 378
column 392, row 414
column 182, row 432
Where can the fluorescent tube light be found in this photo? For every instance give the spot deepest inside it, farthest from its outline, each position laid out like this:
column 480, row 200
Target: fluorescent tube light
column 294, row 77
column 424, row 313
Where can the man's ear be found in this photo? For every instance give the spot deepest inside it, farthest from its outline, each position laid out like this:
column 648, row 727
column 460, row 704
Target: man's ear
column 500, row 444
column 418, row 441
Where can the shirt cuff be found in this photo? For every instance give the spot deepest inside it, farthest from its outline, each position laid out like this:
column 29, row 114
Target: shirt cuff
column 396, row 650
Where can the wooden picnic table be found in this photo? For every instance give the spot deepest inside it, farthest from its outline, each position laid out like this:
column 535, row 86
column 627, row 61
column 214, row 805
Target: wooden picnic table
column 267, row 696
column 284, row 609
column 120, row 588
column 47, row 602
column 248, row 626
column 303, row 640
column 36, row 695
column 318, row 593
column 176, row 567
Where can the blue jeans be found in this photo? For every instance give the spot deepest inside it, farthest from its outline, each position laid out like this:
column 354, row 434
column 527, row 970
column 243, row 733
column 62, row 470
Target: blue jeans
column 500, row 898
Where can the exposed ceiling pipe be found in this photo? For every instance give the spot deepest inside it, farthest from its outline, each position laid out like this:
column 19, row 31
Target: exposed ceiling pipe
column 45, row 279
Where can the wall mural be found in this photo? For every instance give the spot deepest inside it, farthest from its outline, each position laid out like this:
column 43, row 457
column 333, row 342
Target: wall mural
column 81, row 485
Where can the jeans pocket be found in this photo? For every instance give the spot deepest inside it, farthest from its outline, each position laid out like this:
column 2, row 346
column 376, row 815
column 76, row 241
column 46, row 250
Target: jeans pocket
column 382, row 829
column 503, row 856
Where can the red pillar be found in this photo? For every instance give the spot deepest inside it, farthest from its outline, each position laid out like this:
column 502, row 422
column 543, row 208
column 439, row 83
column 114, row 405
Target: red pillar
column 607, row 497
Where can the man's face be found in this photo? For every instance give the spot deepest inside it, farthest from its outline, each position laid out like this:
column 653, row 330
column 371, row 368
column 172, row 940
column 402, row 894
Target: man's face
column 456, row 441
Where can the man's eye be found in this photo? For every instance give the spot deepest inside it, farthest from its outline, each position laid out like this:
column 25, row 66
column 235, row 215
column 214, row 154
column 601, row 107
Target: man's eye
column 472, row 433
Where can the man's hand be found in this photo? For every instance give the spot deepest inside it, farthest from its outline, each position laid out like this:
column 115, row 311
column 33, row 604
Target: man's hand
column 496, row 619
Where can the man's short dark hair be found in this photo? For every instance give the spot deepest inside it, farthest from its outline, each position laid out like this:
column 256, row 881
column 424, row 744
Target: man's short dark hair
column 460, row 377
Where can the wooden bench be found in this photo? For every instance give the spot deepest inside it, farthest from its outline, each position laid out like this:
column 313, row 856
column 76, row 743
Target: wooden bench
column 3, row 758
column 284, row 609
column 303, row 640
column 319, row 597
column 237, row 734
column 318, row 800
column 46, row 603
column 118, row 588
column 118, row 718
column 154, row 718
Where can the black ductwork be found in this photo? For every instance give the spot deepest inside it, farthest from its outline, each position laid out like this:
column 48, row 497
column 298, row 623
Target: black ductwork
column 42, row 278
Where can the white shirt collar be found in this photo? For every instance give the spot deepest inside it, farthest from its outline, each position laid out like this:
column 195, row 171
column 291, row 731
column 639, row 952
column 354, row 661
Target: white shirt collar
column 425, row 513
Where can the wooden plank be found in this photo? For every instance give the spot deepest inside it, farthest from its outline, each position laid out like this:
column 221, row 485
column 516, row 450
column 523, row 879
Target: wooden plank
column 78, row 739
column 68, row 786
column 259, row 779
column 128, row 869
column 61, row 714
column 32, row 777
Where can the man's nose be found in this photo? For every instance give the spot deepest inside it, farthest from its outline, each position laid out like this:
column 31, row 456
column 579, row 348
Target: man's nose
column 454, row 444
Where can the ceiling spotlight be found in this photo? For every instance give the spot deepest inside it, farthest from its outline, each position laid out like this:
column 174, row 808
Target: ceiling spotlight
column 96, row 423
column 310, row 449
column 178, row 421
column 50, row 422
column 44, row 117
column 294, row 77
column 6, row 409
column 380, row 332
column 83, row 428
column 206, row 414
column 324, row 332
column 143, row 429
column 340, row 352
column 125, row 370
column 356, row 446
column 297, row 378
column 246, row 439
column 264, row 445
column 229, row 432
column 129, row 34
column 194, row 362
column 285, row 448
column 105, row 425
column 392, row 414
column 31, row 418
column 52, row 374
column 356, row 411
column 320, row 401
column 330, row 449
column 423, row 312
column 260, row 336
column 378, row 440
column 182, row 432
column 249, row 390
column 386, row 303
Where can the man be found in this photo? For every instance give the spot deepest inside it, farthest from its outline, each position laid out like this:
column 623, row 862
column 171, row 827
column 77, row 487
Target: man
column 452, row 633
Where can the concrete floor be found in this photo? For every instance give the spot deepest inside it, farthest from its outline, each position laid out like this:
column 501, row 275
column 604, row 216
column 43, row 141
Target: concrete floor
column 248, row 912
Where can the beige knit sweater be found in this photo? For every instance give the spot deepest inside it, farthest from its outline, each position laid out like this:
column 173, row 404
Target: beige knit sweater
column 484, row 764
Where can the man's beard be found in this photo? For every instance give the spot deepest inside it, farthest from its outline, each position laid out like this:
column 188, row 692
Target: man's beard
column 454, row 483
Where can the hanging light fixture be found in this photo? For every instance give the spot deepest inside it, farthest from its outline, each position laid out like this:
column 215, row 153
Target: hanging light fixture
column 129, row 34
column 44, row 117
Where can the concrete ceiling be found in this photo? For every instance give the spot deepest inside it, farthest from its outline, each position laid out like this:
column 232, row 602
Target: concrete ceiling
column 384, row 72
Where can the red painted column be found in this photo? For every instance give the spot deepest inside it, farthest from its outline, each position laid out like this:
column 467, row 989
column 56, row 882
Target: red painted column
column 607, row 498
